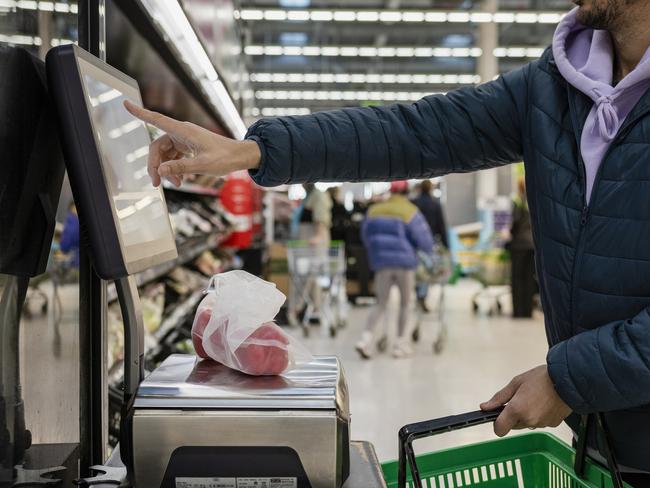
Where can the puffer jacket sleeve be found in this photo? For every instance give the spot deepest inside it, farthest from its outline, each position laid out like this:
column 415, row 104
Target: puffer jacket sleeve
column 419, row 233
column 604, row 369
column 465, row 130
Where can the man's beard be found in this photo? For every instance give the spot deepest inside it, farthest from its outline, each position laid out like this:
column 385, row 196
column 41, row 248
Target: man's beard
column 601, row 17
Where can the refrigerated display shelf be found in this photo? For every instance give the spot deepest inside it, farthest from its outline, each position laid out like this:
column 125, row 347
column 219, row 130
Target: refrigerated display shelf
column 187, row 251
column 191, row 188
column 180, row 313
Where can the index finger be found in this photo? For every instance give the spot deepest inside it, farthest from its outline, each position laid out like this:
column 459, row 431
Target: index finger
column 156, row 149
column 156, row 119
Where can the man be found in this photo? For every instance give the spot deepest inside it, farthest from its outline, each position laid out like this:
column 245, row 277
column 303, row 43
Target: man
column 315, row 216
column 313, row 221
column 70, row 236
column 393, row 232
column 580, row 118
column 522, row 256
column 341, row 218
column 432, row 211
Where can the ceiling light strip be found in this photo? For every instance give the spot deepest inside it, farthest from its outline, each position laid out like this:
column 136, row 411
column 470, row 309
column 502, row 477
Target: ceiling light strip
column 396, row 16
column 347, row 95
column 25, row 40
column 280, row 111
column 43, row 6
column 399, row 78
column 390, row 52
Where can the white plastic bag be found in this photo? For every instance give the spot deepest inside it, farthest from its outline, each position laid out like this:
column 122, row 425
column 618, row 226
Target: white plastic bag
column 234, row 326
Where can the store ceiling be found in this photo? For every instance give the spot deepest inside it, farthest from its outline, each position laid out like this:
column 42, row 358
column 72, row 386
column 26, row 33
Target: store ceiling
column 322, row 63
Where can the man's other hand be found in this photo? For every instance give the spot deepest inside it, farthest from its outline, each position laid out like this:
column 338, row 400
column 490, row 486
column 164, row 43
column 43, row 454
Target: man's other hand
column 187, row 149
column 531, row 401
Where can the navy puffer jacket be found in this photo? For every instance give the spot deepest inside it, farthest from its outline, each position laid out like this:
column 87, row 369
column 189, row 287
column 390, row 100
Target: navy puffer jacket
column 593, row 261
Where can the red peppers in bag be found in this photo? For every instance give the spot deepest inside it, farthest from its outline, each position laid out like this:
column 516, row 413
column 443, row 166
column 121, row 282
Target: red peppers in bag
column 264, row 352
column 230, row 331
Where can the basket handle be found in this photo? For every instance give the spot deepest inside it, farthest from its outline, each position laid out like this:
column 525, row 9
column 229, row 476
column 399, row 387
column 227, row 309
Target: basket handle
column 581, row 448
column 418, row 430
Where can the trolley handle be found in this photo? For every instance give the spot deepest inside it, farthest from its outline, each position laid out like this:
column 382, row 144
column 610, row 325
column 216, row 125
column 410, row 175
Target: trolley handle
column 418, row 430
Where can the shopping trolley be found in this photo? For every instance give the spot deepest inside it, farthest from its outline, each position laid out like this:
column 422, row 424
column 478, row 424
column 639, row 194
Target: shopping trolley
column 493, row 273
column 434, row 269
column 317, row 281
column 533, row 460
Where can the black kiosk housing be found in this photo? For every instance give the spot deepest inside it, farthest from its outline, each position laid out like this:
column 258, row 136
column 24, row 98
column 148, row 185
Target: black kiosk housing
column 30, row 185
column 125, row 219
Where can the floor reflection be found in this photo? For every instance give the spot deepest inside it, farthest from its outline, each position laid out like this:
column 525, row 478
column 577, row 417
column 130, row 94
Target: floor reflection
column 49, row 352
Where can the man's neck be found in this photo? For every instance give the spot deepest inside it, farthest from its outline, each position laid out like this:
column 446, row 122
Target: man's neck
column 631, row 40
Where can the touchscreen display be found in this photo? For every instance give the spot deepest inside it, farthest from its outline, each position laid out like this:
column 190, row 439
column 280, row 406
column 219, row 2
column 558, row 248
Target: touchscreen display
column 139, row 208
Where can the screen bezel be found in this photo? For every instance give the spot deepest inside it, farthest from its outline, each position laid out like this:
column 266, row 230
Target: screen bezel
column 169, row 253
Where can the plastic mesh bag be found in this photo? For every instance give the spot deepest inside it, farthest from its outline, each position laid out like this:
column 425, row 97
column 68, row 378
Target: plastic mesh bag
column 234, row 326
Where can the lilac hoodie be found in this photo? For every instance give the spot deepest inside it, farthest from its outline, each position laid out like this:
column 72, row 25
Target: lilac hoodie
column 585, row 58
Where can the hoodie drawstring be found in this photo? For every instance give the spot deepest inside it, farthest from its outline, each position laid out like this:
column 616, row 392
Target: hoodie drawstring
column 607, row 115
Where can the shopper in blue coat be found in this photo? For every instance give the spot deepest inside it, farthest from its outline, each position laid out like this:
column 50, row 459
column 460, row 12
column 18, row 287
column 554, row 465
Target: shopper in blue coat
column 393, row 232
column 580, row 119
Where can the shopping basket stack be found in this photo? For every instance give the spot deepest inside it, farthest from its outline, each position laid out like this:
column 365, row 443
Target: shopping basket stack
column 533, row 460
column 317, row 283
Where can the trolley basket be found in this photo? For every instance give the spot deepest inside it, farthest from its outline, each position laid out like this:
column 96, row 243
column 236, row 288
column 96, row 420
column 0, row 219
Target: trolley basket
column 532, row 460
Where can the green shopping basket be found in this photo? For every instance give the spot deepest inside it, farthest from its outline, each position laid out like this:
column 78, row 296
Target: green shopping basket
column 533, row 460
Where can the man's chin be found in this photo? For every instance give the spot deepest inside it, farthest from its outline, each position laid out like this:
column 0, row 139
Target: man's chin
column 583, row 15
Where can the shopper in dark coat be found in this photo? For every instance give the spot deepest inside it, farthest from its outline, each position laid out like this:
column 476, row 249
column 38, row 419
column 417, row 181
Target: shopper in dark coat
column 522, row 256
column 431, row 208
column 341, row 218
column 591, row 228
column 432, row 211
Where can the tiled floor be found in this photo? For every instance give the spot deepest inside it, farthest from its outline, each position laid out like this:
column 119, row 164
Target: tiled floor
column 481, row 355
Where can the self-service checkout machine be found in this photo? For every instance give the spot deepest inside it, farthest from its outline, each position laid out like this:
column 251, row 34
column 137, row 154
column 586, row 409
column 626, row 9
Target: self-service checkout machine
column 191, row 423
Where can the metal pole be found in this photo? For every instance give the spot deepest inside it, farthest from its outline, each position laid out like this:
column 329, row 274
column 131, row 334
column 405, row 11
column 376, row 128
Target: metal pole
column 93, row 341
column 45, row 27
column 487, row 67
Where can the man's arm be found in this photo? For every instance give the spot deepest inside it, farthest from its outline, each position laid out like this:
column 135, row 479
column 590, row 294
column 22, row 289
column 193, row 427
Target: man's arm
column 466, row 130
column 604, row 369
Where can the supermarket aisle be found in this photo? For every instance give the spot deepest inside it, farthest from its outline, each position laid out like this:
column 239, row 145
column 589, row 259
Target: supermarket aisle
column 388, row 393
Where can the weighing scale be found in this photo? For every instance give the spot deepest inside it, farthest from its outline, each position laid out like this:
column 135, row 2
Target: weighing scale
column 190, row 423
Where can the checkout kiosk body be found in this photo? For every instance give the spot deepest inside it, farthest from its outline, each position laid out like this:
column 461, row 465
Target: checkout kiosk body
column 191, row 423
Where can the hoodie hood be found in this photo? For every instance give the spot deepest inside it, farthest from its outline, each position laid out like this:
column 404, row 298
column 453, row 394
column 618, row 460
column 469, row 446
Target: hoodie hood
column 585, row 58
